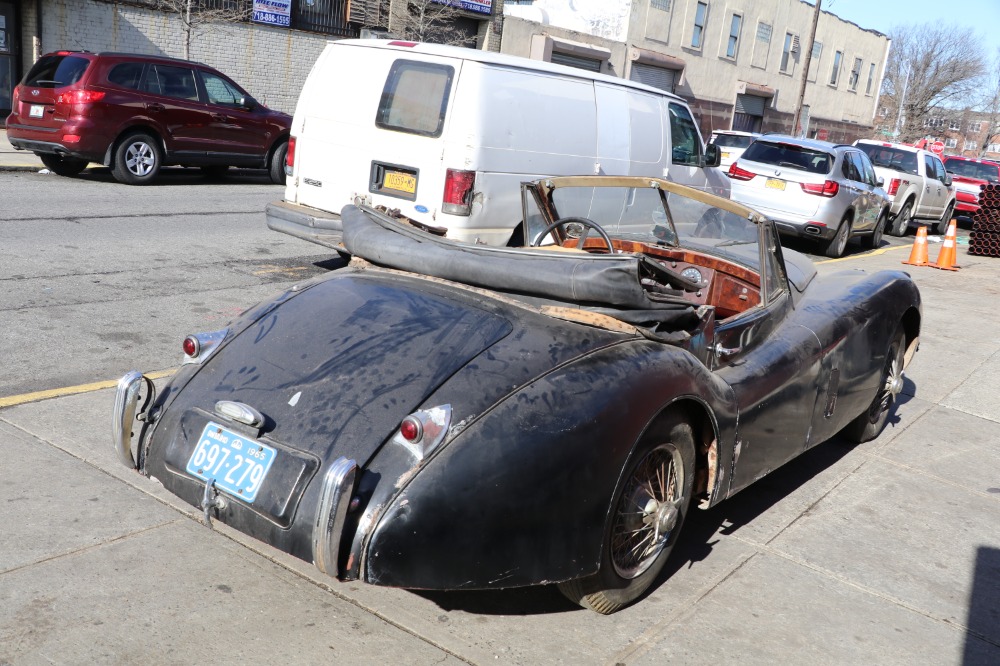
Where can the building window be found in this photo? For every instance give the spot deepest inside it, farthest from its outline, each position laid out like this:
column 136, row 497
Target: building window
column 976, row 127
column 993, row 148
column 662, row 5
column 699, row 25
column 786, row 53
column 764, row 32
column 954, row 125
column 855, row 74
column 871, row 79
column 971, row 145
column 951, row 143
column 934, row 122
column 734, row 36
column 835, row 74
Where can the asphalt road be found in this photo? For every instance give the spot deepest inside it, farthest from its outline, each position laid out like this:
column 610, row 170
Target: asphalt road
column 97, row 278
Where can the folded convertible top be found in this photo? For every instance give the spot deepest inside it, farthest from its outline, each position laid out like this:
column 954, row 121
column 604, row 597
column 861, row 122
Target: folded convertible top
column 611, row 281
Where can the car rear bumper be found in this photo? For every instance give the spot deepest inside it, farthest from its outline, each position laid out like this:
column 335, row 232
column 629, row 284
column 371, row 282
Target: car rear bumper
column 50, row 140
column 311, row 224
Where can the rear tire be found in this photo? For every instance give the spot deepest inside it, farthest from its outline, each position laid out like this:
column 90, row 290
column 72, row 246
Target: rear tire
column 868, row 425
column 137, row 159
column 873, row 240
column 901, row 222
column 63, row 166
column 647, row 512
column 836, row 246
column 276, row 169
column 941, row 228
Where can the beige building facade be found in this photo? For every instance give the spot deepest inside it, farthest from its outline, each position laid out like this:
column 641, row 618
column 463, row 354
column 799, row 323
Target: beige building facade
column 739, row 63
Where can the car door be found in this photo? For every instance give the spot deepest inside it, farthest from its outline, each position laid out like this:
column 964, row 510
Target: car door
column 238, row 125
column 860, row 189
column 876, row 200
column 772, row 365
column 932, row 203
column 173, row 103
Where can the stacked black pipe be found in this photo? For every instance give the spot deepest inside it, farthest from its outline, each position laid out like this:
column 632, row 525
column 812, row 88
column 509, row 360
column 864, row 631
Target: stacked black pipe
column 984, row 239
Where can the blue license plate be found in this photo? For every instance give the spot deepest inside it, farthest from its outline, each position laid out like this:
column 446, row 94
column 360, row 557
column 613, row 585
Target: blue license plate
column 236, row 463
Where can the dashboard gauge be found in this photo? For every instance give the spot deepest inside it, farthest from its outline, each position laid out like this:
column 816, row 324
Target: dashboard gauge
column 692, row 273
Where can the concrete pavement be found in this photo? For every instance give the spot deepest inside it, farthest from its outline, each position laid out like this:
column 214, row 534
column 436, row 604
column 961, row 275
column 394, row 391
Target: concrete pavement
column 16, row 160
column 884, row 553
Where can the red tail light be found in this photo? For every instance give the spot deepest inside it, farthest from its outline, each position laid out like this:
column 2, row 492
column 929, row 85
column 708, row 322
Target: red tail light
column 893, row 187
column 290, row 156
column 458, row 192
column 80, row 97
column 17, row 95
column 739, row 174
column 827, row 188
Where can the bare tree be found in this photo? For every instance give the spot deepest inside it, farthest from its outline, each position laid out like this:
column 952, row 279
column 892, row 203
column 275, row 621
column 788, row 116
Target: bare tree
column 989, row 106
column 929, row 68
column 434, row 21
column 206, row 15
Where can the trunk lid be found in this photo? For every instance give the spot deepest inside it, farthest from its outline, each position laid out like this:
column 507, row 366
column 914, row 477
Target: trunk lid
column 51, row 76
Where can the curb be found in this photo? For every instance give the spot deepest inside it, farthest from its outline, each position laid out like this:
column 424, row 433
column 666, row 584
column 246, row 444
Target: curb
column 5, row 167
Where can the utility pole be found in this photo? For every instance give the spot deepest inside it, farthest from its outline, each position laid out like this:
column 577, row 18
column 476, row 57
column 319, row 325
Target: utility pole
column 902, row 101
column 797, row 120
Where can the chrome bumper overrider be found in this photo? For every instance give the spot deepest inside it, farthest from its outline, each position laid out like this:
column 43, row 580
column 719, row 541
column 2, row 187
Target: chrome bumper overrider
column 338, row 485
column 132, row 388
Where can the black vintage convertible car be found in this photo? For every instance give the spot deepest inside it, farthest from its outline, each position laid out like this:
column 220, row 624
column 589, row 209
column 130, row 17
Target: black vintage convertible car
column 442, row 415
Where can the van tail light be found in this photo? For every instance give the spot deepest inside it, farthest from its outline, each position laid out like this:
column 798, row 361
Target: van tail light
column 290, row 156
column 739, row 174
column 80, row 97
column 893, row 187
column 458, row 192
column 828, row 188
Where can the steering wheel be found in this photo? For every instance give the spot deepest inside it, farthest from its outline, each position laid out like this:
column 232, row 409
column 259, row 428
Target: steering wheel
column 586, row 223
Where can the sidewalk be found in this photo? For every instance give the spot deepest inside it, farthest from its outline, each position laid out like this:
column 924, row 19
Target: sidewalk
column 16, row 160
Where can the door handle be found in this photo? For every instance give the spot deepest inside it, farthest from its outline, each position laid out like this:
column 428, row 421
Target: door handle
column 219, row 117
column 154, row 107
column 721, row 351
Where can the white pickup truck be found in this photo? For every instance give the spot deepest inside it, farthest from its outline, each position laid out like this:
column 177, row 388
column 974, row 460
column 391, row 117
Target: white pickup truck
column 917, row 182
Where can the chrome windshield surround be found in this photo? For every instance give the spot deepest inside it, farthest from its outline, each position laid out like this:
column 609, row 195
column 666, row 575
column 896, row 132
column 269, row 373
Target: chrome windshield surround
column 207, row 344
column 239, row 412
column 434, row 423
column 335, row 497
column 130, row 388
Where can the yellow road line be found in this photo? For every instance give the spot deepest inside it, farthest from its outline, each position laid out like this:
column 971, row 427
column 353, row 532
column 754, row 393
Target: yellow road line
column 72, row 390
column 882, row 250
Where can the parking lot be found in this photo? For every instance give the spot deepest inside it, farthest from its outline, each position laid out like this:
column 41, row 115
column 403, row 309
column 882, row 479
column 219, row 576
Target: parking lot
column 886, row 553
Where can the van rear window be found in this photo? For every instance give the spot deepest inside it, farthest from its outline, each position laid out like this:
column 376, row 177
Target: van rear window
column 415, row 98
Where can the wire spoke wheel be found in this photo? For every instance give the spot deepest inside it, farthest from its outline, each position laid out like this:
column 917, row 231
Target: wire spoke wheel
column 648, row 513
column 869, row 423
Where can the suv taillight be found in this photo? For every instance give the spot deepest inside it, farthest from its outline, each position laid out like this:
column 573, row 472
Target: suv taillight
column 80, row 97
column 17, row 96
column 828, row 188
column 893, row 187
column 458, row 192
column 290, row 156
column 739, row 174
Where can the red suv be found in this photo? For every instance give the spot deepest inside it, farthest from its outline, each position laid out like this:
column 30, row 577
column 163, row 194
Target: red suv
column 969, row 176
column 136, row 113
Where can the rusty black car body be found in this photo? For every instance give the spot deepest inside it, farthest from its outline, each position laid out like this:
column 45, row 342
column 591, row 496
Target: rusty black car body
column 443, row 415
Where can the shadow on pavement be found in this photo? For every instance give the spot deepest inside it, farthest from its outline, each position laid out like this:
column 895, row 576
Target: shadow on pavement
column 174, row 176
column 983, row 619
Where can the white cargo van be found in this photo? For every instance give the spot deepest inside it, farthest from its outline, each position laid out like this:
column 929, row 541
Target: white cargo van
column 447, row 134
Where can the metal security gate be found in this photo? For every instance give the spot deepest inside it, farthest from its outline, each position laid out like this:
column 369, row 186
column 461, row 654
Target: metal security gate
column 657, row 77
column 748, row 114
column 589, row 64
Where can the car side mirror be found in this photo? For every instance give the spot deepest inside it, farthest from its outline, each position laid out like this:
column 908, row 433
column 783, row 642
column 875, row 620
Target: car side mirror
column 248, row 103
column 713, row 156
column 880, row 181
column 947, row 179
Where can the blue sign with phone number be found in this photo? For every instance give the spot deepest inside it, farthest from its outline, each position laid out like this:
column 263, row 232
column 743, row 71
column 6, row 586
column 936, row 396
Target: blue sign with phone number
column 272, row 12
column 270, row 18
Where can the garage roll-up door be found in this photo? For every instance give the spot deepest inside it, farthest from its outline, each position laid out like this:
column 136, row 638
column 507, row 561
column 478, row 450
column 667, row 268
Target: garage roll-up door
column 657, row 77
column 750, row 104
column 589, row 64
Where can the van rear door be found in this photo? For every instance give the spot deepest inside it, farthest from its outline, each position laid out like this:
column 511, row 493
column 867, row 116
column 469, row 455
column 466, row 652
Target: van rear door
column 369, row 125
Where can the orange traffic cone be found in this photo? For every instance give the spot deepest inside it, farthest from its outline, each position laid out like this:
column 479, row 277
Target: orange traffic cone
column 918, row 255
column 946, row 257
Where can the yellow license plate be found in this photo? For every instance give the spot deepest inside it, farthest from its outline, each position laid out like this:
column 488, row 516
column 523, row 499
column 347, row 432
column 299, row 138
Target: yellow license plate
column 775, row 184
column 725, row 156
column 401, row 182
